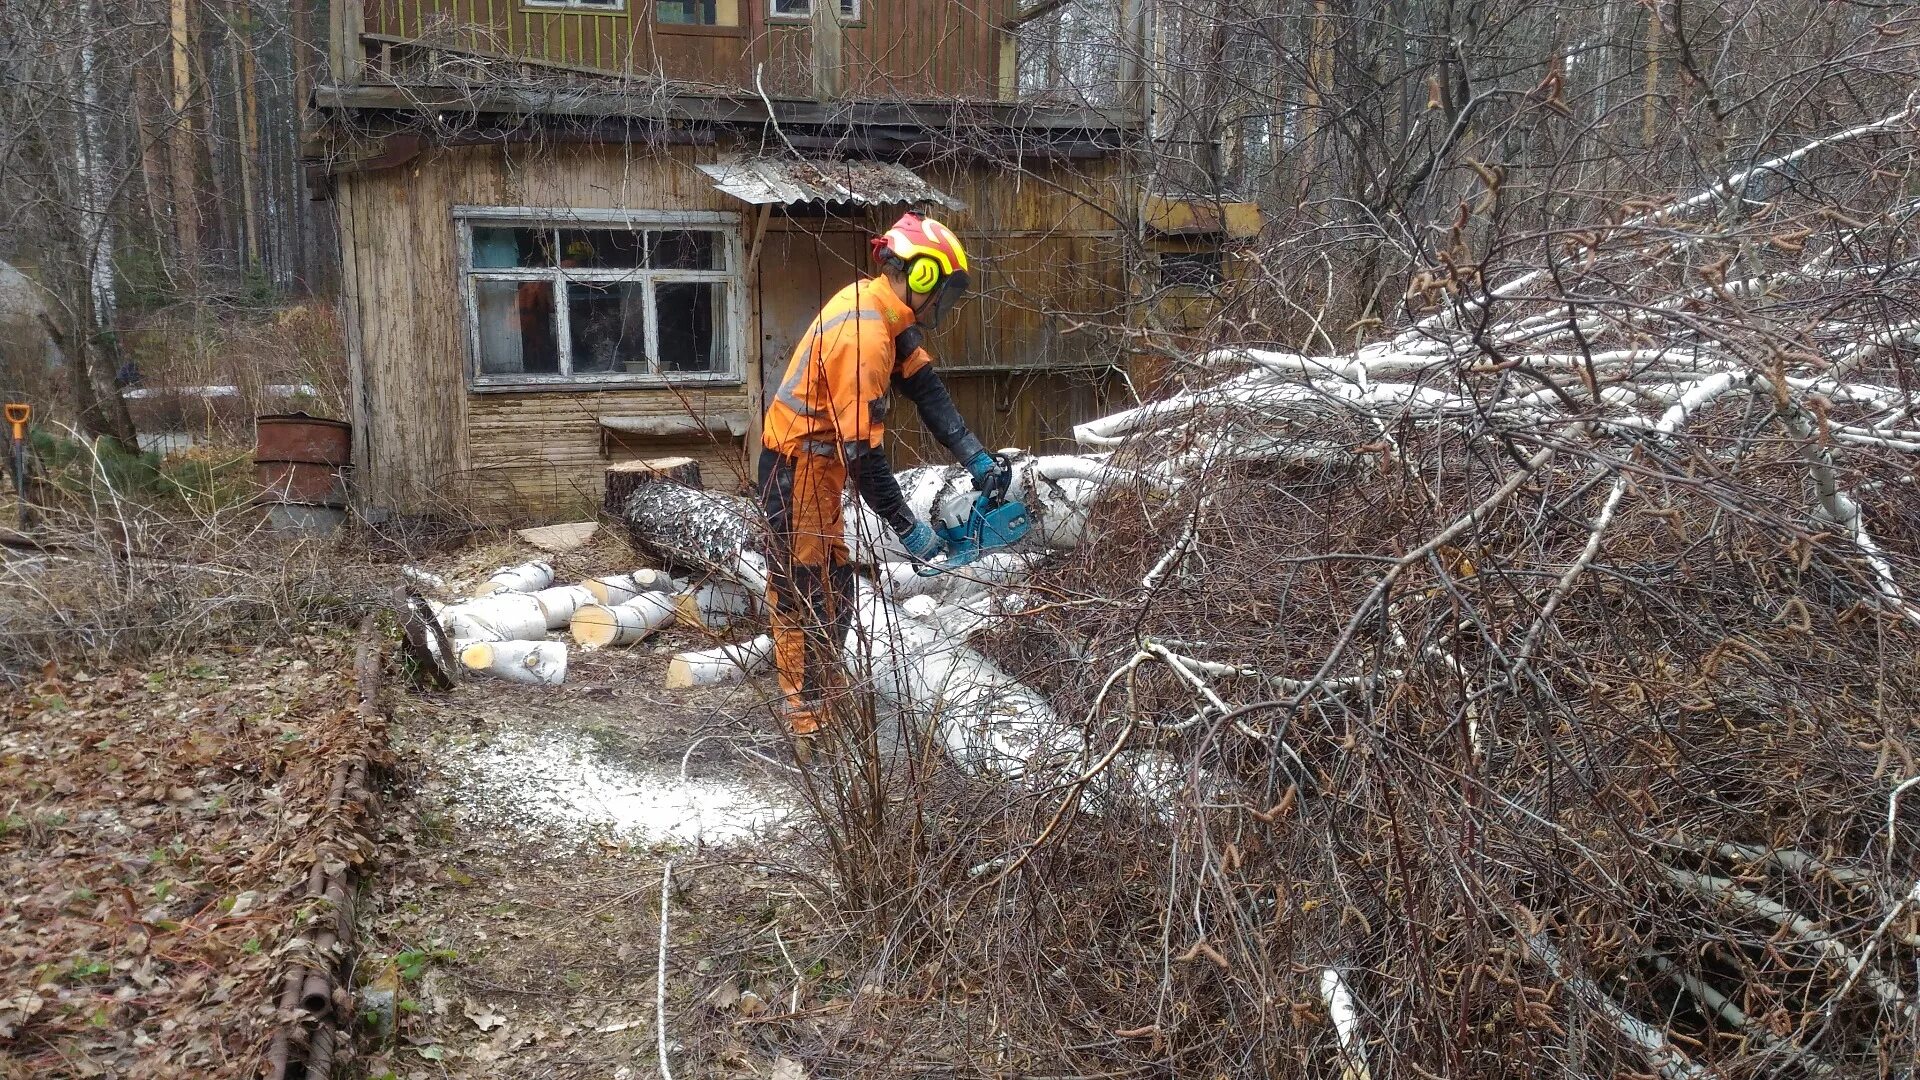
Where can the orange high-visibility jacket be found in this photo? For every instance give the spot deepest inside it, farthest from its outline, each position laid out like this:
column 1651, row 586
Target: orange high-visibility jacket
column 836, row 389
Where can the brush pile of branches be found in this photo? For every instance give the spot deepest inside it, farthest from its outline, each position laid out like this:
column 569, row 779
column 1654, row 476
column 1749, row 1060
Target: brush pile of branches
column 1531, row 692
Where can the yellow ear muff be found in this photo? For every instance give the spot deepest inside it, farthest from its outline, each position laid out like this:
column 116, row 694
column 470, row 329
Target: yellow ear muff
column 923, row 274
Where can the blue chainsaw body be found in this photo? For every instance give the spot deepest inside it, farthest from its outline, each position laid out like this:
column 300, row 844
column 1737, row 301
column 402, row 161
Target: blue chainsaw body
column 991, row 525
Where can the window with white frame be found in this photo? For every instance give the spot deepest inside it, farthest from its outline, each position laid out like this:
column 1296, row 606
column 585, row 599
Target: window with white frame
column 803, row 9
column 578, row 5
column 565, row 299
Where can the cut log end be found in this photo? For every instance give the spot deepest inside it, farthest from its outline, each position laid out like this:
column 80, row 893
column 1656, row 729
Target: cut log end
column 624, row 477
column 687, row 607
column 594, row 626
column 679, row 675
column 614, row 589
column 598, row 625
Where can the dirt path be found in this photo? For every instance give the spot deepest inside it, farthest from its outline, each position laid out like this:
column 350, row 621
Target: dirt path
column 517, row 910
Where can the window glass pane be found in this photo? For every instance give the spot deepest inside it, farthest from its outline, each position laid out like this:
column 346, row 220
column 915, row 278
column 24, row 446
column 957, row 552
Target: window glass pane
column 608, row 325
column 850, row 9
column 499, row 246
column 600, row 249
column 516, row 328
column 688, row 12
column 692, row 315
column 687, row 250
column 792, row 7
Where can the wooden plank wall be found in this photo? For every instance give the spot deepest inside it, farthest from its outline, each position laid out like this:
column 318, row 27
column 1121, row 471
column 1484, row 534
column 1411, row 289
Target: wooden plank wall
column 913, row 49
column 426, row 443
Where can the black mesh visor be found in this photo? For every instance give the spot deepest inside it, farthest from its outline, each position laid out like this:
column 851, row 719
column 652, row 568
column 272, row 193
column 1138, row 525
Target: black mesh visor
column 946, row 296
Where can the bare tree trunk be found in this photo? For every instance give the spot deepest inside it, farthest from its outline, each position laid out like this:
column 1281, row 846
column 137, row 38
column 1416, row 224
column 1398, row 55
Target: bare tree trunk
column 248, row 125
column 180, row 148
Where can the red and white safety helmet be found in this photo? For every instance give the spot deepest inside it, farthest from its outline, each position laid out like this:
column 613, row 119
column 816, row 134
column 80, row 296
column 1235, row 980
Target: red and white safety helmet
column 931, row 257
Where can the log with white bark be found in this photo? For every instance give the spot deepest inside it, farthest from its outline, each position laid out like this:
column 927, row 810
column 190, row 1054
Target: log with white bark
column 715, row 605
column 559, row 603
column 1345, row 1018
column 598, row 625
column 989, row 721
column 998, row 570
column 620, row 588
column 1651, row 1042
column 721, row 666
column 691, row 529
column 535, row 662
column 503, row 616
column 524, row 578
column 1057, row 490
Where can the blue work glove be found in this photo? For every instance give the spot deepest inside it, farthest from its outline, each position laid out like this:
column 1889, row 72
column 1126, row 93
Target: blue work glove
column 922, row 544
column 992, row 473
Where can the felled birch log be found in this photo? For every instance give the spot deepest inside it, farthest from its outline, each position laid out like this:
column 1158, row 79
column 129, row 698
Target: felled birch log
column 507, row 616
column 1651, row 1042
column 1346, row 1024
column 689, row 529
column 715, row 605
column 524, row 578
column 990, row 722
column 598, row 625
column 721, row 666
column 620, row 588
column 559, row 604
column 998, row 570
column 1057, row 489
column 536, row 662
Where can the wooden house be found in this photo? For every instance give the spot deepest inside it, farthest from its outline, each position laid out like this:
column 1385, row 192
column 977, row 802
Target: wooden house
column 576, row 232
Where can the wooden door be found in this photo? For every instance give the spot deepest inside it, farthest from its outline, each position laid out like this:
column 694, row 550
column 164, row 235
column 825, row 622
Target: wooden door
column 799, row 271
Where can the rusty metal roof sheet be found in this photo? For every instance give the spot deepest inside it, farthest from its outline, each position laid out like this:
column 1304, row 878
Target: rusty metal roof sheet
column 791, row 180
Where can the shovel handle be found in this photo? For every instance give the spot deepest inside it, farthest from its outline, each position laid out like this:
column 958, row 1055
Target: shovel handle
column 17, row 414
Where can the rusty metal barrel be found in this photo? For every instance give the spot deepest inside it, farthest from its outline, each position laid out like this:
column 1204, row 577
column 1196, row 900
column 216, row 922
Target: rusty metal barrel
column 301, row 464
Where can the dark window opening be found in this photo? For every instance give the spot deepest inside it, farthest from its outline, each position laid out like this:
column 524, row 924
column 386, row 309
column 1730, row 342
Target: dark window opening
column 608, row 326
column 1190, row 269
column 689, row 314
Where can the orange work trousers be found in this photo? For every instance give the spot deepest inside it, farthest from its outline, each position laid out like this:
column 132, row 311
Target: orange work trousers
column 809, row 581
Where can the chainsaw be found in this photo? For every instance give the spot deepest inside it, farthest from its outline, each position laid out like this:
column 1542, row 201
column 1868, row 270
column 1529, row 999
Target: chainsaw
column 992, row 524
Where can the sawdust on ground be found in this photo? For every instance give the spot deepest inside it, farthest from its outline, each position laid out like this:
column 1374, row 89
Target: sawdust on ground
column 517, row 910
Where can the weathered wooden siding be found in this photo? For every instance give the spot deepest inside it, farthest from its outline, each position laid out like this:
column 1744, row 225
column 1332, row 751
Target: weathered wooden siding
column 428, row 443
column 1033, row 410
column 544, row 454
column 917, row 48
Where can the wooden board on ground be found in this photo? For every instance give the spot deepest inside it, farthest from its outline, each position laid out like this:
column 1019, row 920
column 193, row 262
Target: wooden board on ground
column 559, row 538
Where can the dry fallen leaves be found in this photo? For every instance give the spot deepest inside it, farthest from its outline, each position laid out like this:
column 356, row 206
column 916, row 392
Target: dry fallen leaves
column 151, row 850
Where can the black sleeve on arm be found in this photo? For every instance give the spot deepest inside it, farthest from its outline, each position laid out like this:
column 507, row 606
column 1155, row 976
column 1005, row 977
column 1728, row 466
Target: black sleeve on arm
column 872, row 474
column 930, row 396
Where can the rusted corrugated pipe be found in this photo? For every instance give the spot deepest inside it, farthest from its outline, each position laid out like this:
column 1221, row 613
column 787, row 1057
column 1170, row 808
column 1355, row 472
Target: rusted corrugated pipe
column 282, row 1040
column 320, row 1052
column 312, row 988
column 316, row 993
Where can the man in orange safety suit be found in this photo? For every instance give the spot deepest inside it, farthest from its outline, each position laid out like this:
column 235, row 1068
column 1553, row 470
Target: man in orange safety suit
column 824, row 428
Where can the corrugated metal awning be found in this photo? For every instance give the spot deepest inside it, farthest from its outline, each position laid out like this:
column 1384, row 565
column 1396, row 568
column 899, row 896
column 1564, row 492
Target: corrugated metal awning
column 761, row 181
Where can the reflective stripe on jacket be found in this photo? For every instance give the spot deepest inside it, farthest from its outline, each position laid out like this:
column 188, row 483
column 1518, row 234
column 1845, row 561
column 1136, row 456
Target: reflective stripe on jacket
column 835, row 390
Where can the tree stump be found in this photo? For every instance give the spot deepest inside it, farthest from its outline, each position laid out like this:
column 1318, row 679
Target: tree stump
column 623, row 478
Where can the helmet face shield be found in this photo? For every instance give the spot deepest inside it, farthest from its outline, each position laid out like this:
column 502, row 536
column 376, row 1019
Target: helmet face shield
column 944, row 298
